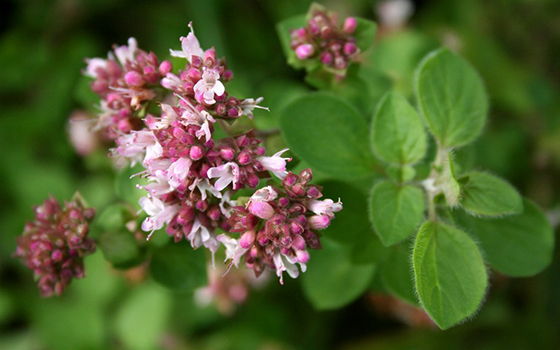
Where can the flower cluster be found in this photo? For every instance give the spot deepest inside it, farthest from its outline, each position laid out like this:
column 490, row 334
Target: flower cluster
column 54, row 245
column 192, row 175
column 323, row 38
column 125, row 84
column 276, row 226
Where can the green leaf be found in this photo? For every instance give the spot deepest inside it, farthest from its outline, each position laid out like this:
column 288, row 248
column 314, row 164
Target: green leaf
column 449, row 273
column 141, row 320
column 283, row 28
column 451, row 97
column 121, row 249
column 397, row 133
column 517, row 245
column 401, row 173
column 395, row 211
column 352, row 221
column 331, row 280
column 396, row 274
column 365, row 33
column 178, row 266
column 488, row 195
column 328, row 133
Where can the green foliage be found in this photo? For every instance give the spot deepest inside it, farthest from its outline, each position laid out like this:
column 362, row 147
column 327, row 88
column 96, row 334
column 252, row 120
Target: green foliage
column 450, row 275
column 365, row 33
column 488, row 195
column 451, row 97
column 328, row 133
column 397, row 133
column 395, row 211
column 179, row 267
column 332, row 281
column 396, row 274
column 517, row 245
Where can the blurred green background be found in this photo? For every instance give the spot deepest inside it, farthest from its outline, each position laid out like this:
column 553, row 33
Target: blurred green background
column 515, row 45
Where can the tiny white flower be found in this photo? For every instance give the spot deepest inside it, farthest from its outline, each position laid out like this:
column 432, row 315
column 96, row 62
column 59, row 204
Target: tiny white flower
column 325, row 207
column 208, row 86
column 126, row 53
column 234, row 251
column 178, row 171
column 190, row 46
column 249, row 104
column 93, row 65
column 275, row 164
column 158, row 212
column 226, row 174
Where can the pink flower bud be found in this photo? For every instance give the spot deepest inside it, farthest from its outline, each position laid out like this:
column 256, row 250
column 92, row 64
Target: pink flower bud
column 247, row 239
column 133, row 78
column 302, row 256
column 194, row 74
column 349, row 25
column 319, row 222
column 196, row 152
column 227, row 76
column 304, row 51
column 227, row 153
column 326, row 58
column 165, row 67
column 299, row 242
column 350, row 49
column 261, row 209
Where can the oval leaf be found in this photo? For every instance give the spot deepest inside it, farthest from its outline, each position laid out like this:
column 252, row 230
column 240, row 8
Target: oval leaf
column 177, row 266
column 517, row 245
column 396, row 275
column 331, row 281
column 449, row 272
column 488, row 195
column 397, row 133
column 395, row 211
column 451, row 97
column 328, row 133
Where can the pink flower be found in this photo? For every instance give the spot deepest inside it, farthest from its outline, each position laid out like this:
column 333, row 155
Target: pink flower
column 209, row 85
column 304, row 51
column 178, row 171
column 126, row 53
column 171, row 81
column 234, row 251
column 275, row 164
column 288, row 264
column 325, row 207
column 93, row 65
column 190, row 47
column 159, row 213
column 200, row 235
column 249, row 104
column 226, row 174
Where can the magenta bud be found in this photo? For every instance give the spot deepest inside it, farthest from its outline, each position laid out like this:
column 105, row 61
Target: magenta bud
column 133, row 78
column 196, row 152
column 261, row 209
column 302, row 256
column 194, row 74
column 283, row 202
column 326, row 58
column 290, row 179
column 247, row 239
column 350, row 49
column 300, row 33
column 214, row 213
column 319, row 222
column 227, row 153
column 298, row 242
column 252, row 180
column 260, row 151
column 244, row 158
column 221, row 109
column 165, row 67
column 57, row 255
column 296, row 228
column 227, row 76
column 304, row 51
column 202, row 205
column 196, row 61
column 233, row 112
column 350, row 25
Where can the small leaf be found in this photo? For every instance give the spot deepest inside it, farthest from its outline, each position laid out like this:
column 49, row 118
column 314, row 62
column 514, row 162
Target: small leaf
column 141, row 320
column 451, row 97
column 396, row 274
column 331, row 280
column 178, row 266
column 397, row 133
column 121, row 249
column 449, row 273
column 328, row 133
column 365, row 33
column 517, row 245
column 395, row 211
column 488, row 195
column 284, row 28
column 401, row 173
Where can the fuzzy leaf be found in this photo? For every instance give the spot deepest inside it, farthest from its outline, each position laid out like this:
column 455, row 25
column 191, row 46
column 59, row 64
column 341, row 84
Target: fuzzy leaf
column 449, row 273
column 331, row 280
column 451, row 97
column 488, row 195
column 396, row 274
column 365, row 33
column 283, row 28
column 517, row 245
column 395, row 211
column 178, row 266
column 328, row 133
column 397, row 133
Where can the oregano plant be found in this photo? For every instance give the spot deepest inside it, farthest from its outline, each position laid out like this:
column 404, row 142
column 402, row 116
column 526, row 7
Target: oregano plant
column 355, row 183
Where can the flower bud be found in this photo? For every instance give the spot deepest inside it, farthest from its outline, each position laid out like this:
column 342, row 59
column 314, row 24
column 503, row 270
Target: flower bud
column 247, row 239
column 319, row 222
column 134, row 79
column 261, row 209
column 349, row 25
column 304, row 51
column 165, row 67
